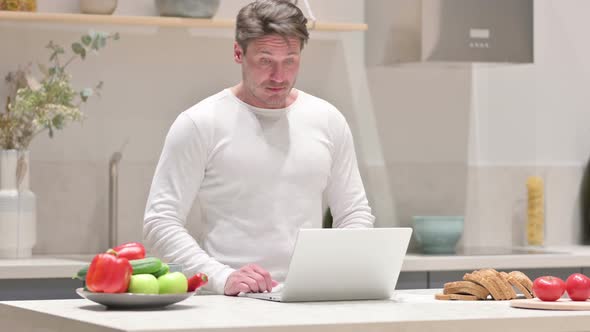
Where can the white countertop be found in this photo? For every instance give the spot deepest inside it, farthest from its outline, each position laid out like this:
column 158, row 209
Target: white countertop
column 50, row 266
column 413, row 310
column 65, row 266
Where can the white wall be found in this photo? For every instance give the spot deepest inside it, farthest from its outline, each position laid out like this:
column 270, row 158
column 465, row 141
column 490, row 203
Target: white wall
column 422, row 115
column 150, row 76
column 538, row 114
column 533, row 119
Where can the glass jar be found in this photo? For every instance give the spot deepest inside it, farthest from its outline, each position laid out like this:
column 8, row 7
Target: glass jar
column 535, row 211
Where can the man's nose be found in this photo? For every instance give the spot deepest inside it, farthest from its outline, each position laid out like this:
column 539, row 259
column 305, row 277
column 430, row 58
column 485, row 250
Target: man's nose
column 278, row 73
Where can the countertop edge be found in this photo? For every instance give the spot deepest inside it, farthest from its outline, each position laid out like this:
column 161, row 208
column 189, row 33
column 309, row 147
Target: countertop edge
column 417, row 311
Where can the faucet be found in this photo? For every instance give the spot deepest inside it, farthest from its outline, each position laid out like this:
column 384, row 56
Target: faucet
column 114, row 195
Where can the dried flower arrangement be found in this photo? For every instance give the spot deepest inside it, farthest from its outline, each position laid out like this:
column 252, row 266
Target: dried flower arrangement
column 50, row 103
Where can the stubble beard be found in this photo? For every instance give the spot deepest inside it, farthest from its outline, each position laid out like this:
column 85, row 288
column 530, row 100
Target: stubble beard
column 272, row 101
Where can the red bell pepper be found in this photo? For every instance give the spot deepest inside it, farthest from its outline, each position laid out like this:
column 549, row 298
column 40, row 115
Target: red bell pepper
column 196, row 281
column 108, row 273
column 131, row 250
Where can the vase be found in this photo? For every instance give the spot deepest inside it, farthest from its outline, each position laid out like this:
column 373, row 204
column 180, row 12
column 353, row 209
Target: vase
column 18, row 224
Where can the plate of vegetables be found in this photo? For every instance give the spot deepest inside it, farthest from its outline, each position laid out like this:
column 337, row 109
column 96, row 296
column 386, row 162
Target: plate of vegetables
column 123, row 277
column 134, row 301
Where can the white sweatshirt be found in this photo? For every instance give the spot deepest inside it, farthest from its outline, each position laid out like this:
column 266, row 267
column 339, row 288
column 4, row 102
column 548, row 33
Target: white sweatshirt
column 260, row 175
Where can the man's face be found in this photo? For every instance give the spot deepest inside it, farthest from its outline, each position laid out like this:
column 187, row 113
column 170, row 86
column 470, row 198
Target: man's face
column 269, row 69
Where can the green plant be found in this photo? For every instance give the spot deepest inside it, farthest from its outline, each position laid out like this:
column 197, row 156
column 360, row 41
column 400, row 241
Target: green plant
column 52, row 102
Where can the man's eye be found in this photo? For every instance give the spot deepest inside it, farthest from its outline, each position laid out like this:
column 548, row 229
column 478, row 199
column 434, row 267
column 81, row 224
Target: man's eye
column 264, row 61
column 289, row 61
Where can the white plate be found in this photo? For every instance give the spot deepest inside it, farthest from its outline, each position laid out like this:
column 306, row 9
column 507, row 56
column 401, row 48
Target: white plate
column 134, row 301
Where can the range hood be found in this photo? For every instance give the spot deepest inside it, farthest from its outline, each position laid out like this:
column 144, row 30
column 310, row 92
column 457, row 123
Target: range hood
column 449, row 31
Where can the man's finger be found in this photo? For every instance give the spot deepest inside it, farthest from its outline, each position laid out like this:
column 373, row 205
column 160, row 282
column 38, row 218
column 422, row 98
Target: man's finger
column 251, row 282
column 267, row 285
column 262, row 286
column 235, row 287
column 242, row 288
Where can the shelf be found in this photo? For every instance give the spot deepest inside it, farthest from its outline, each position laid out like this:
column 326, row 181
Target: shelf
column 151, row 21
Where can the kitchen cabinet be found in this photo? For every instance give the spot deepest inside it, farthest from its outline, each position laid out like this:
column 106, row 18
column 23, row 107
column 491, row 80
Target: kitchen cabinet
column 412, row 280
column 39, row 289
column 41, row 277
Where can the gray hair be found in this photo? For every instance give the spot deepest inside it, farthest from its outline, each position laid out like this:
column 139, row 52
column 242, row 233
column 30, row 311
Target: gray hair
column 265, row 17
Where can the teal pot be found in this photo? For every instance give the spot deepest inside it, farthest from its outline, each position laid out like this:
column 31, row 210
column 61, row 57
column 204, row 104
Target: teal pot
column 188, row 8
column 438, row 234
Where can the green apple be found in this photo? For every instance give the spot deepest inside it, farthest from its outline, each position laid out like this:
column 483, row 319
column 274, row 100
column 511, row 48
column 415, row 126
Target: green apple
column 143, row 284
column 173, row 283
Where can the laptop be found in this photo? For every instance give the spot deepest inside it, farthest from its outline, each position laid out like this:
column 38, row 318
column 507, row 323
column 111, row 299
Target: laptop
column 342, row 264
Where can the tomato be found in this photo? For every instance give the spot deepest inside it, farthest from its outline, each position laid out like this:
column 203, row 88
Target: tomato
column 578, row 287
column 548, row 288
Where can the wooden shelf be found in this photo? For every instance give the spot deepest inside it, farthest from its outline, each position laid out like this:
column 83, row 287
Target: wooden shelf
column 151, row 21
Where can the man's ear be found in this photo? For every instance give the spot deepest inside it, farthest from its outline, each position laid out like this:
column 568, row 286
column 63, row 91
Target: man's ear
column 238, row 53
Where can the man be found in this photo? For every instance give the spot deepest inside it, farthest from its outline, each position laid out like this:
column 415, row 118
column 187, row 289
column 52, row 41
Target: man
column 259, row 155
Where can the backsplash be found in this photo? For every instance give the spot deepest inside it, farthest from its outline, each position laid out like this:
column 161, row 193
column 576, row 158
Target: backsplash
column 497, row 204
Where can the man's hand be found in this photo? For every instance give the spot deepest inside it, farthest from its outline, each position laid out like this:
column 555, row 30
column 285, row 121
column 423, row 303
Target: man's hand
column 250, row 278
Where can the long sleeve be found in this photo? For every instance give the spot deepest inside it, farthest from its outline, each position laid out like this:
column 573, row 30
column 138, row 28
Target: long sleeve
column 260, row 176
column 176, row 182
column 345, row 192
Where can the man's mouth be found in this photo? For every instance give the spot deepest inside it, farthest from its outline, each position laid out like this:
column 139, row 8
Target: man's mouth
column 276, row 89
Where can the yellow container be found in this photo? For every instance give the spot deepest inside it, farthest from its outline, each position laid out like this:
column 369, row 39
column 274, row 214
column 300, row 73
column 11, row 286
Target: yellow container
column 536, row 211
column 19, row 5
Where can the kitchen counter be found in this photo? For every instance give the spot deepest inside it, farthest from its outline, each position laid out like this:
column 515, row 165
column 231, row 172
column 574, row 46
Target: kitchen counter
column 41, row 277
column 411, row 310
column 550, row 257
column 65, row 266
column 50, row 266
